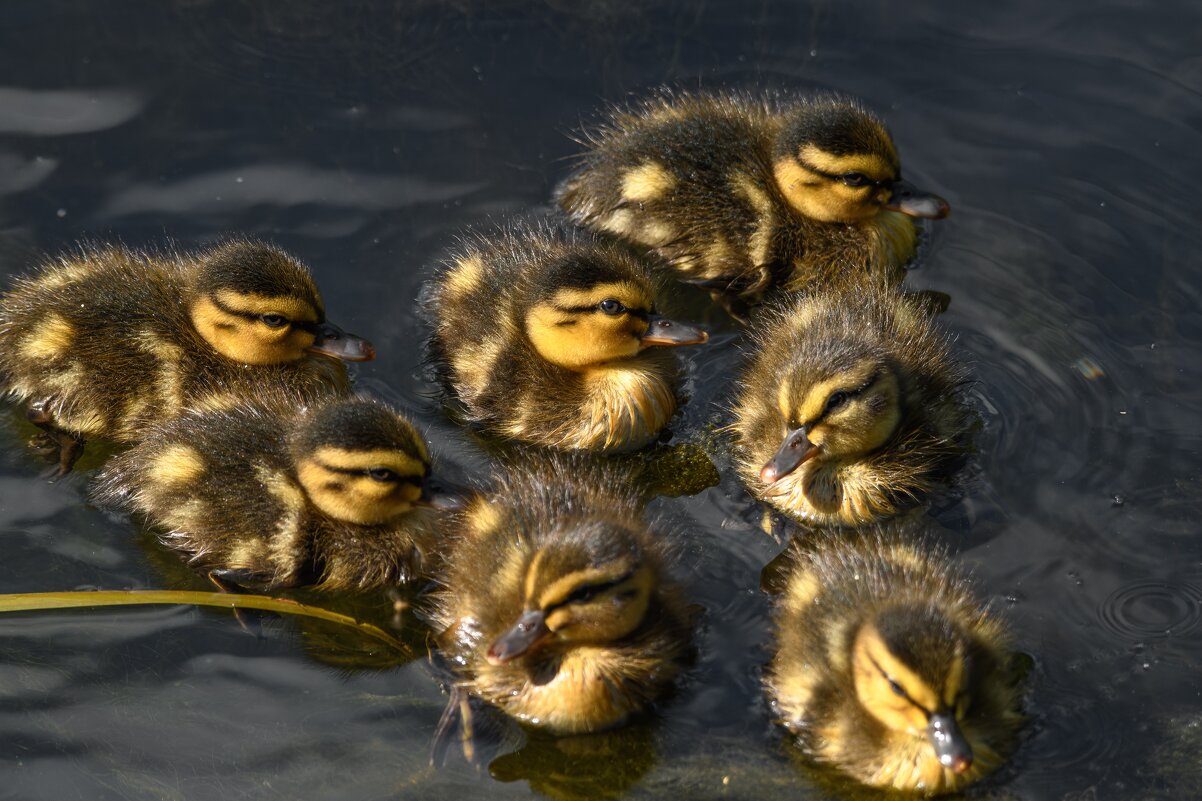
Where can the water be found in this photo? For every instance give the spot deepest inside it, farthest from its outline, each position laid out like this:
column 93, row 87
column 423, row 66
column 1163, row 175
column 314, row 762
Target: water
column 363, row 136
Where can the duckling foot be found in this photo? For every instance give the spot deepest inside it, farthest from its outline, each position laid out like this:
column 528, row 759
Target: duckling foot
column 456, row 718
column 54, row 443
column 250, row 623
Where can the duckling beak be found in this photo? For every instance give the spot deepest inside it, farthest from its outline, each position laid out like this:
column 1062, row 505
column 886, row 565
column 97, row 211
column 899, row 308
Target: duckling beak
column 441, row 496
column 909, row 199
column 333, row 341
column 953, row 750
column 662, row 331
column 530, row 629
column 794, row 451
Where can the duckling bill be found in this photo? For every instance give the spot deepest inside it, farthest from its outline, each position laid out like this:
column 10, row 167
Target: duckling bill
column 107, row 341
column 888, row 668
column 273, row 495
column 739, row 192
column 553, row 338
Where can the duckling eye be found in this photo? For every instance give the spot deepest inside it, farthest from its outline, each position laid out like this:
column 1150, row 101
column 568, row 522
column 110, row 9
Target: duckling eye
column 611, row 306
column 273, row 320
column 836, row 400
column 382, row 474
column 897, row 689
column 855, row 179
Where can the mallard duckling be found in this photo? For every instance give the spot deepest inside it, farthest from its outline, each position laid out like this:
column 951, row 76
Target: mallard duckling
column 556, row 606
column 275, row 495
column 106, row 341
column 739, row 193
column 552, row 338
column 851, row 408
column 889, row 669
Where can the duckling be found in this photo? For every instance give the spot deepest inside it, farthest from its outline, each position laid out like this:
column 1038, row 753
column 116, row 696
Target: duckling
column 273, row 494
column 552, row 338
column 851, row 408
column 105, row 341
column 739, row 193
column 557, row 607
column 889, row 669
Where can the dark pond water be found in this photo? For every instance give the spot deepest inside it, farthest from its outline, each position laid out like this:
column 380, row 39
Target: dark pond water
column 363, row 136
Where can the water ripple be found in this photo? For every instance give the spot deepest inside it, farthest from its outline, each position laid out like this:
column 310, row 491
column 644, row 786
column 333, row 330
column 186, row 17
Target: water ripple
column 1152, row 609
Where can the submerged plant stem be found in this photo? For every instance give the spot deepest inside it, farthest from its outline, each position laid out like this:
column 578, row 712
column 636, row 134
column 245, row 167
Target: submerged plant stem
column 41, row 601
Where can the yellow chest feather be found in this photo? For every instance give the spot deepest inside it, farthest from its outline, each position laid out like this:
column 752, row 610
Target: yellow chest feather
column 583, row 696
column 832, row 494
column 624, row 408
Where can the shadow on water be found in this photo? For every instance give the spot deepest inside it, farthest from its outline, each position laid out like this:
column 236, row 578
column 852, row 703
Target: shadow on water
column 363, row 136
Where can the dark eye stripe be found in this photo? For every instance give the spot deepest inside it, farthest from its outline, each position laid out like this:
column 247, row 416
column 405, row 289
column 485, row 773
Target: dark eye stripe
column 830, row 176
column 587, row 591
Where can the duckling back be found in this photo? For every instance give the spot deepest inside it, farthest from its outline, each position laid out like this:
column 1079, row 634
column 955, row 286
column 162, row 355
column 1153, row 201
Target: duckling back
column 104, row 340
column 851, row 406
column 887, row 666
column 263, row 494
column 557, row 606
column 546, row 336
column 704, row 181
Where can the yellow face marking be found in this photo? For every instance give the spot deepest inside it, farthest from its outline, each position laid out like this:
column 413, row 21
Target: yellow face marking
column 400, row 463
column 604, row 618
column 51, row 338
column 951, row 687
column 177, row 464
column 532, row 576
column 870, row 164
column 815, row 400
column 646, row 182
column 871, row 657
column 820, row 198
column 358, row 499
column 245, row 340
column 252, row 303
column 562, row 588
column 465, row 277
column 571, row 332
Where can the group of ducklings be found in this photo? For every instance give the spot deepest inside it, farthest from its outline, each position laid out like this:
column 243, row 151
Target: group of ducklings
column 251, row 453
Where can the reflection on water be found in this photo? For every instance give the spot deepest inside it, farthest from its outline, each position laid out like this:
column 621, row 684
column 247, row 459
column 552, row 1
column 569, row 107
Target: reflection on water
column 363, row 136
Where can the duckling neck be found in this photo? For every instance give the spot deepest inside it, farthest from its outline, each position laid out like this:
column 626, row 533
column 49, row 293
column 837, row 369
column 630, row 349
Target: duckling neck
column 833, row 492
column 625, row 404
column 895, row 237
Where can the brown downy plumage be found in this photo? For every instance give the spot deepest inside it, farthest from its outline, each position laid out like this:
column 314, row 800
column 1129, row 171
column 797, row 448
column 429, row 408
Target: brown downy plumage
column 851, row 407
column 273, row 494
column 888, row 668
column 105, row 341
column 740, row 192
column 551, row 337
column 557, row 606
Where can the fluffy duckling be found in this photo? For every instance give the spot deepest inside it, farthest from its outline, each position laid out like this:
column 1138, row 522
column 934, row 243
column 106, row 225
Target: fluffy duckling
column 889, row 669
column 552, row 338
column 557, row 607
column 106, row 341
column 265, row 495
column 738, row 192
column 851, row 408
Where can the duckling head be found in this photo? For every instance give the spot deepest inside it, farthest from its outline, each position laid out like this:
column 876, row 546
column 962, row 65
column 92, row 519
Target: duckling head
column 587, row 310
column 910, row 666
column 835, row 162
column 254, row 304
column 361, row 463
column 834, row 408
column 591, row 586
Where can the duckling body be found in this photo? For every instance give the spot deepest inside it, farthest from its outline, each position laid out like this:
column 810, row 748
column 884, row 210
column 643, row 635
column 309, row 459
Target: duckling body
column 739, row 193
column 889, row 669
column 272, row 494
column 851, row 408
column 552, row 338
column 107, row 341
column 557, row 607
